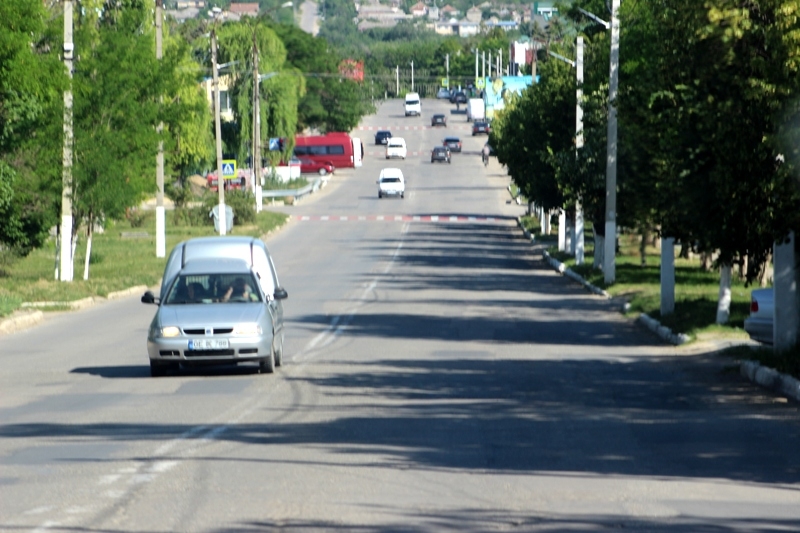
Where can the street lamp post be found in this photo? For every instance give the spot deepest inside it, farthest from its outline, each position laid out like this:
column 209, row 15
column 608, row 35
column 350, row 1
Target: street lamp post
column 412, row 76
column 610, row 245
column 161, row 238
column 579, row 241
column 65, row 263
column 222, row 218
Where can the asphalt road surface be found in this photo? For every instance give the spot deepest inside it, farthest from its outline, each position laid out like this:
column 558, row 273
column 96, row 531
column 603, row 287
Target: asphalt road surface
column 438, row 378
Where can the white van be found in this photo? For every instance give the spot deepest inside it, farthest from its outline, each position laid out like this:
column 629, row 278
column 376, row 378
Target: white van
column 413, row 106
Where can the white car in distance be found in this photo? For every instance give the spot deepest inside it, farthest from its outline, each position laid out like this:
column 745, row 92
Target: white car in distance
column 391, row 183
column 396, row 147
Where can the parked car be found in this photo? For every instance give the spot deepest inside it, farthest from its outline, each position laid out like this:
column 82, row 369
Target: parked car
column 391, row 183
column 309, row 166
column 480, row 126
column 382, row 136
column 453, row 143
column 443, row 94
column 396, row 147
column 440, row 153
column 762, row 311
column 439, row 120
column 458, row 97
column 199, row 322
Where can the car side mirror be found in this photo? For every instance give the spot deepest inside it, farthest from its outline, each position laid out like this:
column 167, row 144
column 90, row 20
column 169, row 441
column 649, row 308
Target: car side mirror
column 150, row 298
column 281, row 294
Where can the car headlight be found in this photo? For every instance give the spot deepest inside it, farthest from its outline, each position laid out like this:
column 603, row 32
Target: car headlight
column 247, row 329
column 169, row 331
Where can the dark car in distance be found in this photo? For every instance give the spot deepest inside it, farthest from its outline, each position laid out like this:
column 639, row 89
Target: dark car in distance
column 458, row 97
column 480, row 126
column 439, row 120
column 440, row 153
column 453, row 143
column 382, row 136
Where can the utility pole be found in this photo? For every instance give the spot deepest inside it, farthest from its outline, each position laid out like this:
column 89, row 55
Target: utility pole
column 256, row 159
column 490, row 63
column 447, row 69
column 579, row 241
column 500, row 62
column 609, row 264
column 397, row 80
column 161, row 239
column 476, row 68
column 65, row 271
column 483, row 66
column 218, row 131
column 412, row 76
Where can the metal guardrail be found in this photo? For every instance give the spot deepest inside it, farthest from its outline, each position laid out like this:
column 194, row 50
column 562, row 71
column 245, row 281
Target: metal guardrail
column 295, row 193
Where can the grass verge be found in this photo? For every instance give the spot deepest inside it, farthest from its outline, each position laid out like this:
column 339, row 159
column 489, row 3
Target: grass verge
column 117, row 262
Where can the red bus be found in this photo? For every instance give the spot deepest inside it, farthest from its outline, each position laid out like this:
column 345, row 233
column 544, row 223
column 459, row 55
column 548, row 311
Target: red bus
column 337, row 147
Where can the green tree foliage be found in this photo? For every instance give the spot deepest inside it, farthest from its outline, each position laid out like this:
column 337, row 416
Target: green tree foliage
column 117, row 84
column 31, row 83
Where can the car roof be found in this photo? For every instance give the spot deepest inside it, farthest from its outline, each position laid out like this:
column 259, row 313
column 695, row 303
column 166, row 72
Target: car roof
column 396, row 140
column 383, row 131
column 391, row 172
column 439, row 115
column 452, row 139
column 215, row 266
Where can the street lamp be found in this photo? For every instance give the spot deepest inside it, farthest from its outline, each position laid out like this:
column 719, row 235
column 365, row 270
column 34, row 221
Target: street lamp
column 609, row 264
column 256, row 157
column 222, row 218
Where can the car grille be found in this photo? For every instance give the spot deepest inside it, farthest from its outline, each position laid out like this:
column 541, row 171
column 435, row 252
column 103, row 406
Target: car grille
column 202, row 331
column 208, row 353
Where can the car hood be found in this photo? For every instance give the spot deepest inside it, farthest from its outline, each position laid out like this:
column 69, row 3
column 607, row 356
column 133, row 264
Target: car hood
column 207, row 314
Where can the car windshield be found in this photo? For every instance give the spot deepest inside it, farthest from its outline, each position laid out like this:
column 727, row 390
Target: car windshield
column 451, row 140
column 213, row 288
column 390, row 179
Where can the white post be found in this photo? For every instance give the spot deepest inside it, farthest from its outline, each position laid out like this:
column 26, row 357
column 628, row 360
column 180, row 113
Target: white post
column 724, row 302
column 483, row 65
column 397, row 79
column 562, row 230
column 161, row 224
column 218, row 130
column 667, row 276
column 579, row 236
column 65, row 273
column 412, row 76
column 609, row 266
column 787, row 321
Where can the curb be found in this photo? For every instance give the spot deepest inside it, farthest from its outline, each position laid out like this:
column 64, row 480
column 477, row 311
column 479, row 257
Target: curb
column 29, row 314
column 653, row 325
column 771, row 379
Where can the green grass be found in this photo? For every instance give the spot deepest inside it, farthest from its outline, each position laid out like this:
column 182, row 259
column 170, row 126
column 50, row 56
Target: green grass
column 117, row 263
column 696, row 290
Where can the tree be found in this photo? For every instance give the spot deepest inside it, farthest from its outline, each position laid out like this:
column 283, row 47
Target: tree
column 31, row 83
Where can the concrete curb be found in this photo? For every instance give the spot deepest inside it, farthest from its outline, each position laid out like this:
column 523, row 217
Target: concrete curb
column 21, row 320
column 29, row 314
column 653, row 325
column 771, row 379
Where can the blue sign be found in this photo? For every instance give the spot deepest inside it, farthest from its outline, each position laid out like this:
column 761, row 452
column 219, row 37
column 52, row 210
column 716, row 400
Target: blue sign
column 228, row 168
column 275, row 144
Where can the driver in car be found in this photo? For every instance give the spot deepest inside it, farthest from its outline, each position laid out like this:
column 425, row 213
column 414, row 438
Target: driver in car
column 238, row 291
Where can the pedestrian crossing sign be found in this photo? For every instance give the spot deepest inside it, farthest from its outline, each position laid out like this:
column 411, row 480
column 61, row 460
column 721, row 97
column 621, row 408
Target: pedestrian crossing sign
column 228, row 168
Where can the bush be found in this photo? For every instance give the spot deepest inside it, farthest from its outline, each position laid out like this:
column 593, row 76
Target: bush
column 242, row 202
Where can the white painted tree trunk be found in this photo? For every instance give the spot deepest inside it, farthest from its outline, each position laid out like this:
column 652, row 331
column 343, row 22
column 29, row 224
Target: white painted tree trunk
column 88, row 254
column 667, row 276
column 562, row 230
column 724, row 302
column 599, row 246
column 786, row 322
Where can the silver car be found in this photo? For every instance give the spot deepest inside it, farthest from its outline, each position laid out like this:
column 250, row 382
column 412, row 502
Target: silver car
column 762, row 311
column 215, row 311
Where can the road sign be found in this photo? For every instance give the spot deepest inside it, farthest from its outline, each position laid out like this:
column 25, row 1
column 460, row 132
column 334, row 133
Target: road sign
column 480, row 83
column 228, row 168
column 445, row 83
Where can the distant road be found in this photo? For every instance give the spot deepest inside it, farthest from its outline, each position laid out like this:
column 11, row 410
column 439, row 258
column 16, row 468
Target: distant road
column 309, row 22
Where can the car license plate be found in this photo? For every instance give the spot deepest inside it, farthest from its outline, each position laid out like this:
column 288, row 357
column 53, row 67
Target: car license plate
column 208, row 344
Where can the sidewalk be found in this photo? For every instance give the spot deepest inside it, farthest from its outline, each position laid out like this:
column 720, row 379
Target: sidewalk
column 763, row 376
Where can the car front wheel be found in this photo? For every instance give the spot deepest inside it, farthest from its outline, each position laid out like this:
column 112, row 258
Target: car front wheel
column 322, row 172
column 267, row 365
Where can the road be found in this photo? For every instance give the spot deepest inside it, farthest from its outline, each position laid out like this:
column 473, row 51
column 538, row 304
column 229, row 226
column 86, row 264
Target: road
column 439, row 378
